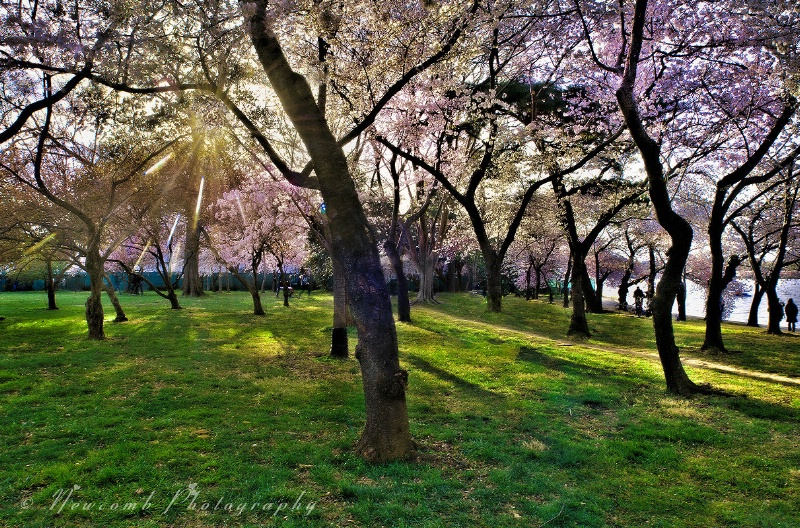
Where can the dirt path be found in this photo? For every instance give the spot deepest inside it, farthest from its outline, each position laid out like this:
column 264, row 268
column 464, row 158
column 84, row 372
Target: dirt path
column 702, row 363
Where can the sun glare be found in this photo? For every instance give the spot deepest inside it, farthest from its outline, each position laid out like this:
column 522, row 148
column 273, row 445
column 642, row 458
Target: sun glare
column 160, row 163
column 199, row 198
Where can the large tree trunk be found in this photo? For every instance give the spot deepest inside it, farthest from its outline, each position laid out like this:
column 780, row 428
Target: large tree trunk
column 775, row 309
column 678, row 228
column 94, row 304
column 651, row 276
column 578, row 324
column 258, row 308
column 494, row 286
column 622, row 293
column 716, row 286
column 173, row 300
column 386, row 434
column 426, row 268
column 681, row 298
column 528, row 273
column 677, row 380
column 567, row 278
column 192, row 282
column 598, row 293
column 112, row 295
column 589, row 296
column 713, row 334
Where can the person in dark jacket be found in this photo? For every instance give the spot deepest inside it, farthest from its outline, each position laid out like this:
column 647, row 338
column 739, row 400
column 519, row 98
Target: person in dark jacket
column 791, row 314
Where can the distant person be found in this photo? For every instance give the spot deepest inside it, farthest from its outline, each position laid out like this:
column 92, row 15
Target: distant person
column 638, row 299
column 305, row 285
column 791, row 314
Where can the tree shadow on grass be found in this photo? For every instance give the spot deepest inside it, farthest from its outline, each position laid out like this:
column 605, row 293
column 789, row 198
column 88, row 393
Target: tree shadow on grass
column 467, row 386
column 759, row 409
column 738, row 402
column 574, row 368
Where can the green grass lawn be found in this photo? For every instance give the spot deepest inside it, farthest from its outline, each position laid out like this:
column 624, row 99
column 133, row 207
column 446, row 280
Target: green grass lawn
column 210, row 416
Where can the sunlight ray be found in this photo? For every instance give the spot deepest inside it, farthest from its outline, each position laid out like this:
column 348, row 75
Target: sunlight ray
column 39, row 244
column 172, row 231
column 141, row 255
column 160, row 163
column 199, row 199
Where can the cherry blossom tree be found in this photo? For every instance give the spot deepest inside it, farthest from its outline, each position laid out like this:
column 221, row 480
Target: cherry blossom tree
column 255, row 221
column 768, row 232
column 673, row 68
column 155, row 245
column 619, row 194
column 464, row 127
column 627, row 65
column 736, row 183
column 539, row 245
column 88, row 193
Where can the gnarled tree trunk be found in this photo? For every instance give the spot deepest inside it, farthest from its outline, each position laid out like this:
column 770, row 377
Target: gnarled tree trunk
column 94, row 304
column 578, row 324
column 192, row 282
column 678, row 228
column 386, row 434
column 112, row 295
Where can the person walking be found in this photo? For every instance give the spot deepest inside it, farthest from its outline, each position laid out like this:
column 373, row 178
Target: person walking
column 791, row 314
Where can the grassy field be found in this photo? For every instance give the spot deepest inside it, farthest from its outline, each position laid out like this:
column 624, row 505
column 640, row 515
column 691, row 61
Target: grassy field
column 210, row 416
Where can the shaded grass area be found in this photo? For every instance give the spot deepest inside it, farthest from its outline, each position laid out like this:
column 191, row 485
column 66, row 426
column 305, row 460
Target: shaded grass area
column 514, row 427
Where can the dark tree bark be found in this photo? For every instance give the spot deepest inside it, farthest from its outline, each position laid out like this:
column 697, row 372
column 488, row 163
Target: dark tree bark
column 582, row 290
column 598, row 293
column 528, row 273
column 397, row 240
column 565, row 290
column 590, row 294
column 752, row 315
column 386, row 435
column 726, row 191
column 339, row 341
column 578, row 324
column 678, row 228
column 766, row 283
column 653, row 271
column 286, row 289
column 252, row 287
column 775, row 308
column 112, row 296
column 192, row 281
column 50, row 285
column 625, row 282
column 494, row 282
column 94, row 304
column 403, row 302
column 681, row 297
